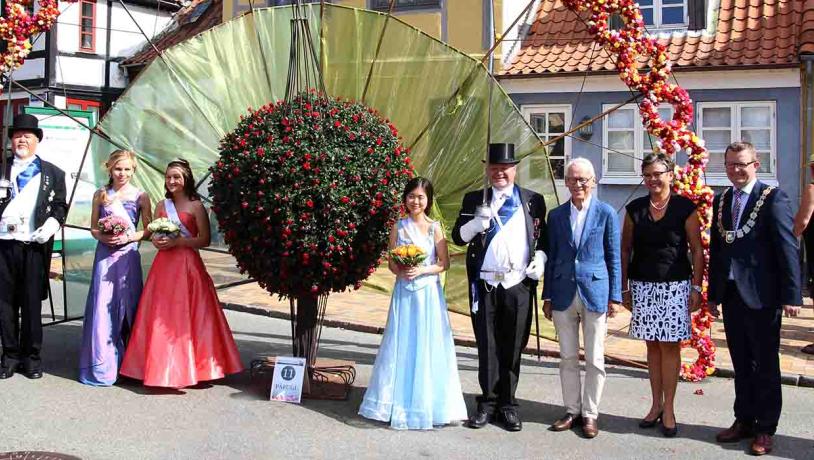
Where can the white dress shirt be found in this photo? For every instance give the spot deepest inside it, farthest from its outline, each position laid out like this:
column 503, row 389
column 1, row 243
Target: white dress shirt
column 578, row 219
column 747, row 190
column 508, row 252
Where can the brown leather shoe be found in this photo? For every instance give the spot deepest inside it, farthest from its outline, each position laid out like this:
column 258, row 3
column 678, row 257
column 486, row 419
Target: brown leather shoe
column 762, row 444
column 589, row 427
column 566, row 422
column 734, row 433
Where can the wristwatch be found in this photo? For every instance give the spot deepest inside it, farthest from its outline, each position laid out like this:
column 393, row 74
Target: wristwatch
column 697, row 288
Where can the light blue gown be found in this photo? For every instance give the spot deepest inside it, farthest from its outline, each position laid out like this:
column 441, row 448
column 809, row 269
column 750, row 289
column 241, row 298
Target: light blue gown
column 415, row 383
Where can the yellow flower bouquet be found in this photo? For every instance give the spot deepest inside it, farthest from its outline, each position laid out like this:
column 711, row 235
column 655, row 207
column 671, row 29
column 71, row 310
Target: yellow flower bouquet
column 408, row 255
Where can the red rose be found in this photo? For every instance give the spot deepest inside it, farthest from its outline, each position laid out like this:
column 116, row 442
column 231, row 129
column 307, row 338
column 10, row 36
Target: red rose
column 309, row 203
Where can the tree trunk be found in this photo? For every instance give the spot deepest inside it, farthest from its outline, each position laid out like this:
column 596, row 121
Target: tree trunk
column 306, row 328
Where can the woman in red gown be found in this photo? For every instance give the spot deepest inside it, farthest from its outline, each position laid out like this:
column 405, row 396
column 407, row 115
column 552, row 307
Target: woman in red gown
column 180, row 336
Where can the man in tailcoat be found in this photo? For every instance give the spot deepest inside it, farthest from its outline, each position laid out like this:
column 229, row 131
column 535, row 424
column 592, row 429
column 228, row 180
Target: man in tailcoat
column 504, row 260
column 32, row 210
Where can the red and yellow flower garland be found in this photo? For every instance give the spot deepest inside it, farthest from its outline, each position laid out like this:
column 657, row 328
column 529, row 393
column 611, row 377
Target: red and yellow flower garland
column 18, row 26
column 629, row 43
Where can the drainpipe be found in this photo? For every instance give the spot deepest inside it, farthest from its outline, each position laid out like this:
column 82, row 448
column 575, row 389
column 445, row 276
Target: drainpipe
column 807, row 118
column 106, row 98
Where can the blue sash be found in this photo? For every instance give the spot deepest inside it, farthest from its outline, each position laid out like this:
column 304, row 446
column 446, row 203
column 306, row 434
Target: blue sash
column 506, row 211
column 26, row 175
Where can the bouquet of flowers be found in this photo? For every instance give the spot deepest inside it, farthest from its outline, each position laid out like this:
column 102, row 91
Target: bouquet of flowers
column 164, row 227
column 113, row 225
column 408, row 255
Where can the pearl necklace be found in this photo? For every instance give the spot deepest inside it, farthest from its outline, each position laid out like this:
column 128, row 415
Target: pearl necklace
column 660, row 208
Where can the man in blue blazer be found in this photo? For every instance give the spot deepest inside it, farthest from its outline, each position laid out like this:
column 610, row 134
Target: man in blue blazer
column 583, row 280
column 755, row 273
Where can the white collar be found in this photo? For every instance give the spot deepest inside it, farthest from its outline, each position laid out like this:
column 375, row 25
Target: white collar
column 585, row 205
column 508, row 190
column 18, row 163
column 747, row 189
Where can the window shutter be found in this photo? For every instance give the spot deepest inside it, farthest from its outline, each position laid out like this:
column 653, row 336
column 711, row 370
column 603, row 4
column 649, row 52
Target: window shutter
column 697, row 10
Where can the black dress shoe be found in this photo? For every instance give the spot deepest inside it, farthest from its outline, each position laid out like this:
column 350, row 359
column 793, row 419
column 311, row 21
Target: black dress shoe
column 33, row 374
column 510, row 419
column 650, row 423
column 481, row 418
column 669, row 432
column 6, row 372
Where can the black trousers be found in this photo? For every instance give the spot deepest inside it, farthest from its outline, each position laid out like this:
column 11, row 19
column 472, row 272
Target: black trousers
column 21, row 286
column 808, row 240
column 753, row 338
column 501, row 326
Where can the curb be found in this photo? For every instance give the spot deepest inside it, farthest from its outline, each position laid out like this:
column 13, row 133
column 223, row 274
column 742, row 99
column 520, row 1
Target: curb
column 722, row 372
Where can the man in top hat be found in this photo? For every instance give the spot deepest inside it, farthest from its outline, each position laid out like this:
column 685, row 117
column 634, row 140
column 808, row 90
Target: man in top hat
column 32, row 210
column 504, row 261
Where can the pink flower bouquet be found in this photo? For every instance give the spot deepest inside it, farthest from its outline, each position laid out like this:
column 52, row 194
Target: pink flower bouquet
column 113, row 225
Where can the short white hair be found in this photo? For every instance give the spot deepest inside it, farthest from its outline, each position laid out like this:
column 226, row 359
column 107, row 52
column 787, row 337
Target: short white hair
column 580, row 161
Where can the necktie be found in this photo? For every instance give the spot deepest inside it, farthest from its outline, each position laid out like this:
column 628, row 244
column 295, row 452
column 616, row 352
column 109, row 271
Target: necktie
column 28, row 173
column 736, row 208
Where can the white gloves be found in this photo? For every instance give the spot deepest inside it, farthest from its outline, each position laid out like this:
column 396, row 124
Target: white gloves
column 480, row 223
column 536, row 268
column 44, row 233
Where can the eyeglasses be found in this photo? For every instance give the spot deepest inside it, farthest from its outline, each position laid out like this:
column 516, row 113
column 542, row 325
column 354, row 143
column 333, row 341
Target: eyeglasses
column 578, row 181
column 654, row 175
column 734, row 165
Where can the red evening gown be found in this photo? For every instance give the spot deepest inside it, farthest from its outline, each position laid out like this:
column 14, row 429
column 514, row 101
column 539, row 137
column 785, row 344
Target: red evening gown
column 180, row 336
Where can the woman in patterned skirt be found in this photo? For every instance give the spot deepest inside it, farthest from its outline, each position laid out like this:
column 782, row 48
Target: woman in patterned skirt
column 663, row 260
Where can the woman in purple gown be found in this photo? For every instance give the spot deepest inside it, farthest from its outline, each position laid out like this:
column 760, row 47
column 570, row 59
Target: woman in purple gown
column 116, row 284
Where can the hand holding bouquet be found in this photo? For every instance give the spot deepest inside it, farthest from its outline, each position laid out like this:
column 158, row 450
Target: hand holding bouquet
column 164, row 227
column 408, row 255
column 113, row 225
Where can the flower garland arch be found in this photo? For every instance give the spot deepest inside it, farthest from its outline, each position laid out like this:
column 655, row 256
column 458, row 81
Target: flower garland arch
column 17, row 27
column 629, row 43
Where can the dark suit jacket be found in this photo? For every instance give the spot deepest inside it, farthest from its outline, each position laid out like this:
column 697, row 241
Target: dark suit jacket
column 594, row 268
column 50, row 203
column 534, row 211
column 765, row 261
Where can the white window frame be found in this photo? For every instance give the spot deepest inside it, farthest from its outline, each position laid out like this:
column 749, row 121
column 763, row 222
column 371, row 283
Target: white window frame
column 633, row 176
column 657, row 7
column 536, row 109
column 735, row 133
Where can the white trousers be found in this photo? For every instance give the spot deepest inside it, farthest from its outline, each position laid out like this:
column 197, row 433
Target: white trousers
column 581, row 399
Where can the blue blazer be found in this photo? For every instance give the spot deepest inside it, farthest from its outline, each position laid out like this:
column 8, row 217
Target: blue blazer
column 594, row 269
column 765, row 261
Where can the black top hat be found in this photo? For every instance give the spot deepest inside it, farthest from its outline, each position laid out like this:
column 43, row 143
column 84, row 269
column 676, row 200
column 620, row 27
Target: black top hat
column 25, row 122
column 502, row 154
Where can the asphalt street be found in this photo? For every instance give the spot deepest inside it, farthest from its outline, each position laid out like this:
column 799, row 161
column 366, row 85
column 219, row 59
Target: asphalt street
column 233, row 418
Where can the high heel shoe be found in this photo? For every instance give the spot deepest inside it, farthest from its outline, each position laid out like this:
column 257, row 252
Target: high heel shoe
column 650, row 423
column 669, row 432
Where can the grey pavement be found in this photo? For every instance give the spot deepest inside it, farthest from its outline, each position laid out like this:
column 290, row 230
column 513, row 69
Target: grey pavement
column 234, row 419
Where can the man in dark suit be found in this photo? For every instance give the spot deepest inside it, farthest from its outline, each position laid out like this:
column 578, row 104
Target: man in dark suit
column 32, row 209
column 504, row 261
column 755, row 274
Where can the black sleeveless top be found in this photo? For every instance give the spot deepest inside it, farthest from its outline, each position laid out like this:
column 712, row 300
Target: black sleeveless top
column 660, row 248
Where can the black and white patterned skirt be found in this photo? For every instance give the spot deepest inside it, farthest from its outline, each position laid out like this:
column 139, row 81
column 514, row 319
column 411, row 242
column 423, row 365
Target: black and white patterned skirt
column 660, row 310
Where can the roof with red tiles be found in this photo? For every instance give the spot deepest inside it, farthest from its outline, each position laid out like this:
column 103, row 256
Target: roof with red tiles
column 747, row 33
column 197, row 17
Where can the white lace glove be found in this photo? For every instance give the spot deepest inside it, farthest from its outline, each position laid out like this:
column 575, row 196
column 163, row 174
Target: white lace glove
column 44, row 233
column 478, row 224
column 536, row 268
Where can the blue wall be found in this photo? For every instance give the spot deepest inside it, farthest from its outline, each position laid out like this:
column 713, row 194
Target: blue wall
column 787, row 101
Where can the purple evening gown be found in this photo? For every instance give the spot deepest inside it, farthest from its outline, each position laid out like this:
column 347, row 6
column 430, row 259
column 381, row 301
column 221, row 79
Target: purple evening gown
column 111, row 306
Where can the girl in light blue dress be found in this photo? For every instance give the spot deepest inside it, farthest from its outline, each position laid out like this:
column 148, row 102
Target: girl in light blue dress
column 415, row 382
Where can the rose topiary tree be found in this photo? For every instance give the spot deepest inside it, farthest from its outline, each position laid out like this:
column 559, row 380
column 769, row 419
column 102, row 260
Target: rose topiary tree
column 305, row 194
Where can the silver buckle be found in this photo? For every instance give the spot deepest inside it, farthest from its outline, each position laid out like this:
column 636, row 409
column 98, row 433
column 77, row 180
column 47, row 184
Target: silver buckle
column 730, row 237
column 499, row 276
